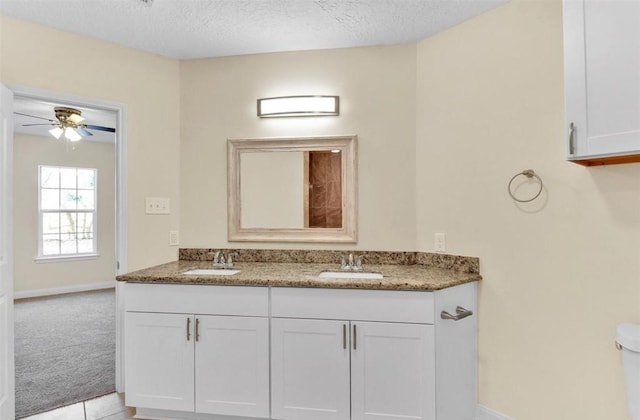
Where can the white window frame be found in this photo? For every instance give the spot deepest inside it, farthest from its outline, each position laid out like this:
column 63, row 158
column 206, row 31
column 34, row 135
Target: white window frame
column 78, row 255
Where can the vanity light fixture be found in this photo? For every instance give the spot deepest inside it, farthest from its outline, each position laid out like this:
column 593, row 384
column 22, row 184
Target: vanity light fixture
column 298, row 106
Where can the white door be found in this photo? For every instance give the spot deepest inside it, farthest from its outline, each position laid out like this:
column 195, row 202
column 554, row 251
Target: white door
column 392, row 371
column 232, row 365
column 309, row 369
column 7, row 385
column 602, row 76
column 159, row 360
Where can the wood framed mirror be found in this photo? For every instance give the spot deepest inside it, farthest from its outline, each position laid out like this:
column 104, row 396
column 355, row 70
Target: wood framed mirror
column 298, row 189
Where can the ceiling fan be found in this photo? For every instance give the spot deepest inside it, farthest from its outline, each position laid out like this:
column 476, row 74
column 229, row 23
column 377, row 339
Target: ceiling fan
column 69, row 121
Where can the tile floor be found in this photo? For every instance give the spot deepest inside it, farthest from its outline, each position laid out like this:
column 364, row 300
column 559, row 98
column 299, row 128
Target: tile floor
column 108, row 407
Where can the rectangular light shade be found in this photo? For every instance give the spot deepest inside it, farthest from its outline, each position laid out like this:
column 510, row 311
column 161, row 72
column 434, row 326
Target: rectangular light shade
column 298, row 106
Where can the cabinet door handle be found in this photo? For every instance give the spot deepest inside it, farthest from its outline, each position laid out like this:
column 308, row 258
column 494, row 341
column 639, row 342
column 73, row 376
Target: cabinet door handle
column 355, row 340
column 460, row 313
column 197, row 329
column 188, row 328
column 572, row 147
column 344, row 336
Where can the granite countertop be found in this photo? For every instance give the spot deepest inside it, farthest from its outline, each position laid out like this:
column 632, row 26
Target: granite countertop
column 396, row 277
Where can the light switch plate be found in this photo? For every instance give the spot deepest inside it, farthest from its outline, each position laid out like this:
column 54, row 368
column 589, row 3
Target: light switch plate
column 157, row 205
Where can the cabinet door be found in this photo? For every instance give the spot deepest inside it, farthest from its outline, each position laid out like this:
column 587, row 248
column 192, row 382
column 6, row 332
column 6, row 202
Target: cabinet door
column 232, row 365
column 159, row 360
column 602, row 76
column 392, row 371
column 309, row 369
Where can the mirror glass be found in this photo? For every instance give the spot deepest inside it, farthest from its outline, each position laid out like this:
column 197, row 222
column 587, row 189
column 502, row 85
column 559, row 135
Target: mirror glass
column 292, row 189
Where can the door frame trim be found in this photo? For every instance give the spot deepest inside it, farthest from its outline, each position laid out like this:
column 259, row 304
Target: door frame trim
column 121, row 186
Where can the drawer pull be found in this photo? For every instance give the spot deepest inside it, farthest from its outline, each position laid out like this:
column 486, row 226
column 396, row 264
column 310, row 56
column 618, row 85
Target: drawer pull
column 460, row 313
column 188, row 328
column 197, row 329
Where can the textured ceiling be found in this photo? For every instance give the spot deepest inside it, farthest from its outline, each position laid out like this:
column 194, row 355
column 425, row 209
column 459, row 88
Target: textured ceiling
column 186, row 29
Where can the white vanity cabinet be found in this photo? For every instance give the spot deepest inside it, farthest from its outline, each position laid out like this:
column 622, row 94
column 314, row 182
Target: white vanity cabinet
column 371, row 354
column 210, row 352
column 196, row 349
column 602, row 80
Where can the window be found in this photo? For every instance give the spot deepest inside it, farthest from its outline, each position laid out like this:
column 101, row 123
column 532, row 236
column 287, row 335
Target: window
column 67, row 206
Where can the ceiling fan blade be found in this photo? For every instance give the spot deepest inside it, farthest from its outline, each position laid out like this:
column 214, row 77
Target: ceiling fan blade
column 33, row 116
column 99, row 128
column 83, row 132
column 31, row 125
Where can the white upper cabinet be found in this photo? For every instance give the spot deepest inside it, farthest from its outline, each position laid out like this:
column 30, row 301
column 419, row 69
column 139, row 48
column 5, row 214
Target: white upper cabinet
column 602, row 80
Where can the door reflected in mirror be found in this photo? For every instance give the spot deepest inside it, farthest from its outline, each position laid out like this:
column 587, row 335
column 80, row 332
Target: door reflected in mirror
column 293, row 189
column 323, row 189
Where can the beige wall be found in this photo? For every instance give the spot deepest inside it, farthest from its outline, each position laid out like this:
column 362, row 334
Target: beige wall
column 560, row 272
column 29, row 152
column 377, row 91
column 31, row 55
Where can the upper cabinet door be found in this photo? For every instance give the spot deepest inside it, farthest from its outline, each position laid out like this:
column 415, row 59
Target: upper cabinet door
column 602, row 80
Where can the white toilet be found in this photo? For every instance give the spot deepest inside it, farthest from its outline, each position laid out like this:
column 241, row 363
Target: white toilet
column 628, row 340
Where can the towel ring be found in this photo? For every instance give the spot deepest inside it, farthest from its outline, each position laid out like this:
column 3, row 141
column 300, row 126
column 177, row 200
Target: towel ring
column 529, row 173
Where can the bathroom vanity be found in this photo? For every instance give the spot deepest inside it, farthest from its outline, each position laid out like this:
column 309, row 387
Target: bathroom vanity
column 277, row 341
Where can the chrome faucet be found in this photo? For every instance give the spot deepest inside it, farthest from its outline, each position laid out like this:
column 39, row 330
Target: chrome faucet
column 219, row 260
column 222, row 261
column 350, row 264
column 230, row 257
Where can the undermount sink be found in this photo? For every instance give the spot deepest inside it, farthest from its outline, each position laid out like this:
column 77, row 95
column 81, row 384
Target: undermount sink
column 349, row 275
column 211, row 272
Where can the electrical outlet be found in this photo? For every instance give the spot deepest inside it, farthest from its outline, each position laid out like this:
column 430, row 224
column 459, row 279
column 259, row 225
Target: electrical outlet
column 174, row 238
column 440, row 242
column 157, row 205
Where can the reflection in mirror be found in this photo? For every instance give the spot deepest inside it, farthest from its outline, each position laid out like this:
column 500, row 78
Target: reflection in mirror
column 292, row 189
column 271, row 190
column 323, row 189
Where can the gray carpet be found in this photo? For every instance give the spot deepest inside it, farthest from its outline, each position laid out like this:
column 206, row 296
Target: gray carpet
column 65, row 350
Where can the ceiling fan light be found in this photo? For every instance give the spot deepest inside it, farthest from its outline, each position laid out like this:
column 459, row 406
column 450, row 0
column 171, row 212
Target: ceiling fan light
column 56, row 132
column 75, row 118
column 72, row 134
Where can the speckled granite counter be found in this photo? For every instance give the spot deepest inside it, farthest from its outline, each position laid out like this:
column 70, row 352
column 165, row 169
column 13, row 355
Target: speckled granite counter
column 396, row 277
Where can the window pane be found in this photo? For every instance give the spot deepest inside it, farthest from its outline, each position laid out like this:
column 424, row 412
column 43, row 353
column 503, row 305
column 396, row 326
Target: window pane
column 67, row 224
column 68, row 244
column 50, row 245
column 49, row 199
column 84, row 226
column 68, row 178
column 49, row 177
column 63, row 192
column 86, row 199
column 69, row 199
column 51, row 223
column 86, row 178
column 85, row 245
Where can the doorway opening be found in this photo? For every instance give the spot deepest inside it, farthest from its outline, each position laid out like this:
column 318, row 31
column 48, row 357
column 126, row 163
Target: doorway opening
column 66, row 223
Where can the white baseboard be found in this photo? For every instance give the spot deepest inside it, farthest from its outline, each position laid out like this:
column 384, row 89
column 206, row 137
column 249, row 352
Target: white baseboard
column 485, row 413
column 63, row 290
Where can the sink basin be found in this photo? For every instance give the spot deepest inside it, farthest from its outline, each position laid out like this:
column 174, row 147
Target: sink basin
column 349, row 275
column 211, row 272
